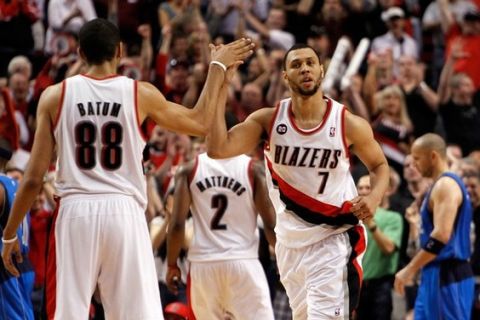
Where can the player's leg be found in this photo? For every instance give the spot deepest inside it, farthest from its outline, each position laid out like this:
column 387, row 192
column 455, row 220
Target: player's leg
column 207, row 294
column 72, row 264
column 250, row 296
column 334, row 275
column 127, row 279
column 428, row 303
column 292, row 276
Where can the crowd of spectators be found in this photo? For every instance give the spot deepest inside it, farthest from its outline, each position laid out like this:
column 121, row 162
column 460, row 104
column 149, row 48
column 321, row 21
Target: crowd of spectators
column 421, row 74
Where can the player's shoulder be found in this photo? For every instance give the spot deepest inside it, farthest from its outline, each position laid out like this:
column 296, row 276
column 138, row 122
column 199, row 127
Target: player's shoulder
column 53, row 92
column 51, row 98
column 356, row 127
column 145, row 86
column 147, row 90
column 353, row 121
column 264, row 112
column 263, row 116
column 446, row 187
column 446, row 182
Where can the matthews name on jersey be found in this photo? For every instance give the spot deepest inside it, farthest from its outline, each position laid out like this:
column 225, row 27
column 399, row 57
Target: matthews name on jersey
column 223, row 210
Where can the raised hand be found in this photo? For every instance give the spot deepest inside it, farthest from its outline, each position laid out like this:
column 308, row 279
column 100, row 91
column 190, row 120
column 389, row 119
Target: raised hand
column 234, row 52
column 145, row 31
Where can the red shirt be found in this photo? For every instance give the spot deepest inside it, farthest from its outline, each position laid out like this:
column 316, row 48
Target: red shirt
column 39, row 225
column 8, row 124
column 469, row 65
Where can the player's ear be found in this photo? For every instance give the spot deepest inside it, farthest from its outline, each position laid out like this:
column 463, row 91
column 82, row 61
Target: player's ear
column 81, row 54
column 322, row 72
column 285, row 78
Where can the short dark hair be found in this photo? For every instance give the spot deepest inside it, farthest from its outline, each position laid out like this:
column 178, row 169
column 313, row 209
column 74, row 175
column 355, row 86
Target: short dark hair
column 5, row 149
column 98, row 40
column 298, row 46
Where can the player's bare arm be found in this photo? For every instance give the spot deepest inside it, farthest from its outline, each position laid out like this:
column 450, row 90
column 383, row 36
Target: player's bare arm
column 32, row 182
column 240, row 139
column 176, row 227
column 194, row 121
column 263, row 204
column 360, row 138
column 446, row 198
column 243, row 137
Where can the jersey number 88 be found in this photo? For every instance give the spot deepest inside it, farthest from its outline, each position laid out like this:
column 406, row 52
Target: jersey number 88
column 111, row 152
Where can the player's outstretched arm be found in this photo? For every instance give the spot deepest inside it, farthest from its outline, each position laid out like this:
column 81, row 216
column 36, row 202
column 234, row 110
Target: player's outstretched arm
column 176, row 227
column 360, row 137
column 32, row 182
column 198, row 120
column 240, row 139
column 263, row 204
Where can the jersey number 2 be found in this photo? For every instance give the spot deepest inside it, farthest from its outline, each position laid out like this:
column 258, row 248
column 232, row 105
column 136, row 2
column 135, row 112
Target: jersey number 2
column 219, row 202
column 111, row 153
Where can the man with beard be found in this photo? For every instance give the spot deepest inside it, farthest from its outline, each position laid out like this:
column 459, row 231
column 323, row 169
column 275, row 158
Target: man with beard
column 309, row 137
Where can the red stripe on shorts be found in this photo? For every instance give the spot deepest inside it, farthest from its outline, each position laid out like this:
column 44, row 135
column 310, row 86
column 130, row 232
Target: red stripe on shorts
column 51, row 274
column 191, row 315
column 359, row 249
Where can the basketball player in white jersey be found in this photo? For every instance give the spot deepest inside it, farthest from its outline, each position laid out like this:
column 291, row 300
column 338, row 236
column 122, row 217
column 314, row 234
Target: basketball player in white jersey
column 100, row 233
column 320, row 241
column 225, row 274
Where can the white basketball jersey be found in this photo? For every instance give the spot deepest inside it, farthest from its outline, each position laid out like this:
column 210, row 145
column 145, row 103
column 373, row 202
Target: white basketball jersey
column 224, row 214
column 308, row 175
column 99, row 142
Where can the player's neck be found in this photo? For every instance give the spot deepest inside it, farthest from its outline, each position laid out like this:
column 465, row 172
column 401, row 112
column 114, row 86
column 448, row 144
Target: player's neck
column 439, row 170
column 106, row 69
column 311, row 107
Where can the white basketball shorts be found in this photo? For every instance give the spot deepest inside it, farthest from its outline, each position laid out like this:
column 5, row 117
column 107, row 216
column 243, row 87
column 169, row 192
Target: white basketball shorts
column 323, row 280
column 232, row 287
column 101, row 241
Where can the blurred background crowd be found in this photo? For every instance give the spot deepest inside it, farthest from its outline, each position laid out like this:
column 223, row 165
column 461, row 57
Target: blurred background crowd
column 419, row 72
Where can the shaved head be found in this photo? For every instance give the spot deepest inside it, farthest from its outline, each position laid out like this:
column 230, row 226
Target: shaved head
column 432, row 142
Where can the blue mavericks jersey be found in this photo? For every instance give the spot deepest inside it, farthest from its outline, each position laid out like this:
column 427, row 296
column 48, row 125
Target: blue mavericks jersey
column 15, row 293
column 10, row 186
column 458, row 247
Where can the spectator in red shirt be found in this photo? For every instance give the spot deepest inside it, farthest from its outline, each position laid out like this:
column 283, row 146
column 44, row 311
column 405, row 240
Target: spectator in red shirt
column 468, row 34
column 8, row 124
column 40, row 220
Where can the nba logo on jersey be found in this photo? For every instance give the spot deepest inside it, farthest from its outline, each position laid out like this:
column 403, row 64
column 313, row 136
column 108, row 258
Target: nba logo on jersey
column 337, row 310
column 281, row 129
column 332, row 131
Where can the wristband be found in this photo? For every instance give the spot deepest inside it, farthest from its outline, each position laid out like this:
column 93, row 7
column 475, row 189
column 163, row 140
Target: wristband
column 218, row 63
column 433, row 246
column 8, row 241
